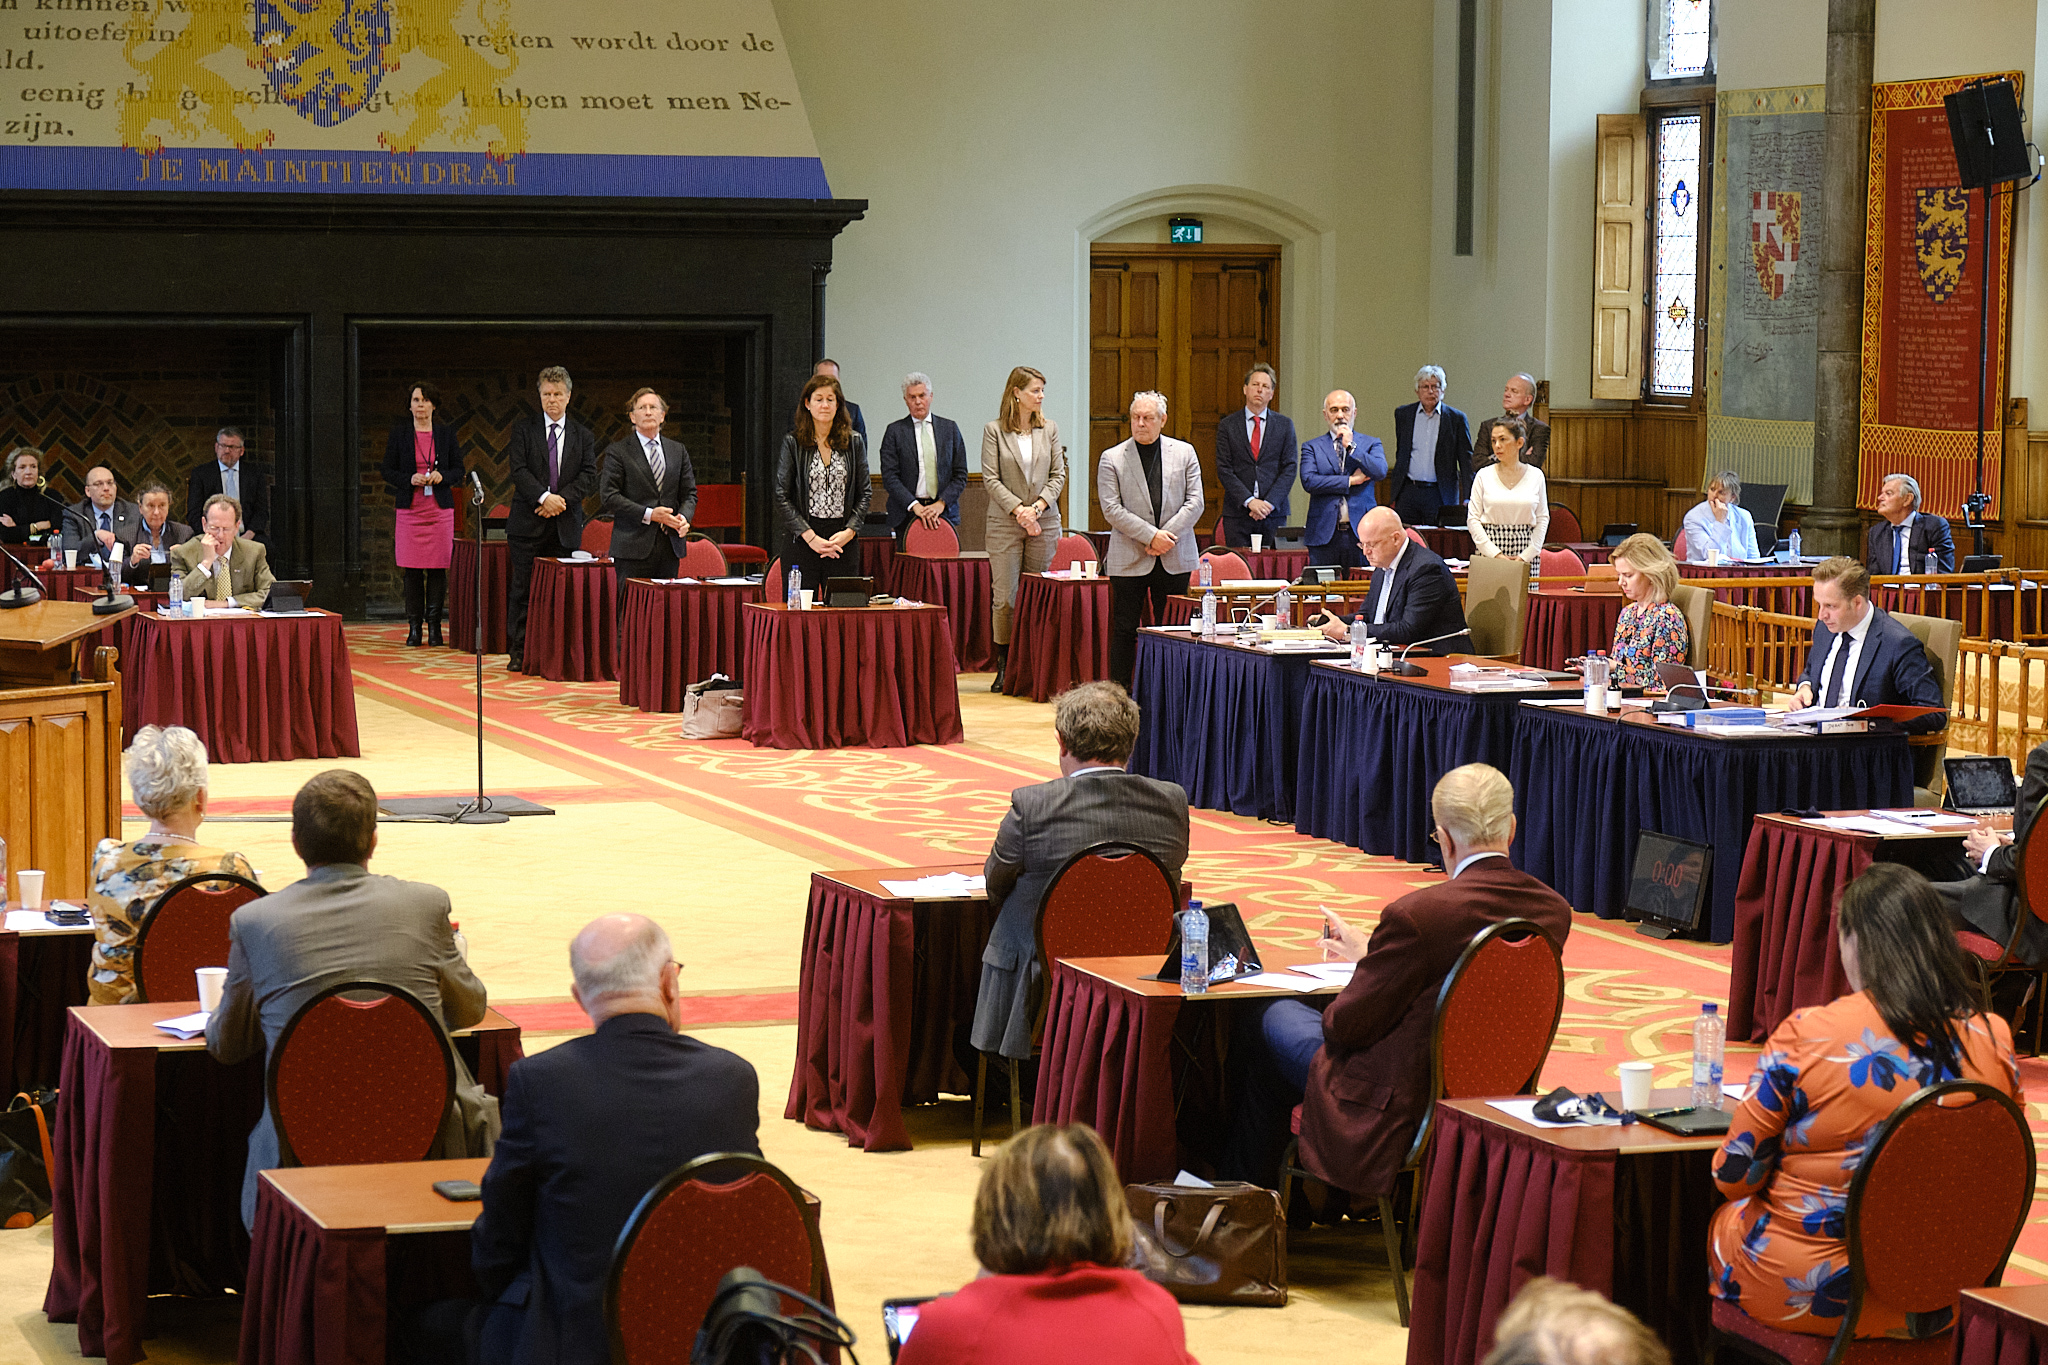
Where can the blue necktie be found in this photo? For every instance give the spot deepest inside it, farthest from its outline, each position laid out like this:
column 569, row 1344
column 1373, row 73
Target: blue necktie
column 1898, row 544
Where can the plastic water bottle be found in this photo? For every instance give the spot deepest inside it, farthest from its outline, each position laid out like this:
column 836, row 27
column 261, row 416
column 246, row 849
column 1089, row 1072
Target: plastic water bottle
column 1596, row 684
column 461, row 939
column 1361, row 642
column 1795, row 545
column 1283, row 608
column 1208, row 610
column 1709, row 1037
column 1194, row 950
column 1207, row 572
column 177, row 592
column 796, row 588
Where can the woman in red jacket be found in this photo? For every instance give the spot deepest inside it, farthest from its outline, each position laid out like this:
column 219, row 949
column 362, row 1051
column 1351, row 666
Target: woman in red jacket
column 1052, row 1234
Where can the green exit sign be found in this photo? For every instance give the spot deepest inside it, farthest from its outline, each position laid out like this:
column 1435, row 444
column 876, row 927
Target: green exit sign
column 1184, row 231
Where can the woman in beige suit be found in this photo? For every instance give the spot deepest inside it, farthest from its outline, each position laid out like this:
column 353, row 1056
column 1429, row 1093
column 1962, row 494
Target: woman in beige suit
column 1023, row 469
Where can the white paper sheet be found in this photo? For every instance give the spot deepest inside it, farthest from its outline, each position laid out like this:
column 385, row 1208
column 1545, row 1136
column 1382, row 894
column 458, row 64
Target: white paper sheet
column 1339, row 972
column 939, row 884
column 1578, row 701
column 185, row 1025
column 1858, row 824
column 1283, row 981
column 1926, row 819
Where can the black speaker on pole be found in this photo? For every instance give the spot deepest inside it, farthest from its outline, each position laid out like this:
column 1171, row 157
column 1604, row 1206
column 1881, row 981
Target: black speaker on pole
column 1984, row 125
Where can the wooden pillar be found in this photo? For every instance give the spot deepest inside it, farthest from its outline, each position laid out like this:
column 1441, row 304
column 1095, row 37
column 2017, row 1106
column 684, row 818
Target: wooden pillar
column 1831, row 525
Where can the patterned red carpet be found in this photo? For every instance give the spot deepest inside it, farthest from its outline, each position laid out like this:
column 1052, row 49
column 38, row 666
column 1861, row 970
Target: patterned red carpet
column 1627, row 997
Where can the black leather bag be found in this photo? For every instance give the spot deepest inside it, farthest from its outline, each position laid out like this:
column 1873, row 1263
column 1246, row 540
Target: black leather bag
column 1221, row 1244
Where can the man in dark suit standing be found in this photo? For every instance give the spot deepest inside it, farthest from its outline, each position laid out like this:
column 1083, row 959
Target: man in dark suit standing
column 1093, row 801
column 247, row 482
column 1360, row 1067
column 1413, row 595
column 1986, row 899
column 651, row 492
column 155, row 536
column 1256, row 456
column 591, row 1125
column 344, row 923
column 1907, row 540
column 1432, row 452
column 860, row 424
column 112, row 517
column 1338, row 470
column 1860, row 656
column 1517, row 399
column 554, row 468
column 924, row 461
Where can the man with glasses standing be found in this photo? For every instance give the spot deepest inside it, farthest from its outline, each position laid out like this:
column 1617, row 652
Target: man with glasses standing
column 227, row 473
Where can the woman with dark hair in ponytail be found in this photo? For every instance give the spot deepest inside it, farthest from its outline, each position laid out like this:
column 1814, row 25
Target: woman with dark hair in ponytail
column 1826, row 1079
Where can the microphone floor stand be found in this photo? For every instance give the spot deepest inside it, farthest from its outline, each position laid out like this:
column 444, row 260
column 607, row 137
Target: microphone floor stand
column 479, row 812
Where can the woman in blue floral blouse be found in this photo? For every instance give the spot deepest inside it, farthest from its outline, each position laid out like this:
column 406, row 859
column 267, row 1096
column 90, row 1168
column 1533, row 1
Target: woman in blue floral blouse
column 1651, row 630
column 1825, row 1081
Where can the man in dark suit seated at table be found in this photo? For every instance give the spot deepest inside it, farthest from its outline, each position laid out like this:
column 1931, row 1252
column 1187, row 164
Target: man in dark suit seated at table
column 591, row 1126
column 924, row 461
column 553, row 458
column 344, row 923
column 1360, row 1066
column 1093, row 801
column 1906, row 539
column 1985, row 896
column 112, row 517
column 1860, row 656
column 1413, row 596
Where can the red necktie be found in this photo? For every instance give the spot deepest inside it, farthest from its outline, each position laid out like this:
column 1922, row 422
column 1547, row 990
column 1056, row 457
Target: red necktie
column 1258, row 432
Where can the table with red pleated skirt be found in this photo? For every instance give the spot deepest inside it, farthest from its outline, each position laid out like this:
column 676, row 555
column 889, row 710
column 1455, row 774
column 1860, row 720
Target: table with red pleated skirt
column 675, row 634
column 849, row 677
column 571, row 620
column 1568, row 623
column 961, row 584
column 254, row 688
column 462, row 571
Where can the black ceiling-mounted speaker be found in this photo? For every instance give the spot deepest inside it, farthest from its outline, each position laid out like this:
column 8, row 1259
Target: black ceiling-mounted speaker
column 1984, row 125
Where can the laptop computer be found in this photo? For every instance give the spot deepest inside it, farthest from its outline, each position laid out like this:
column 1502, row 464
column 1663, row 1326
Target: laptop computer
column 1682, row 689
column 1615, row 532
column 1980, row 785
column 848, row 592
column 1981, row 563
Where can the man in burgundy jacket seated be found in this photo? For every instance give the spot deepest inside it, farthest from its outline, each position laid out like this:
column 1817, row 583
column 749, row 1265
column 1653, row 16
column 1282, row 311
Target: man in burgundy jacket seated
column 1360, row 1067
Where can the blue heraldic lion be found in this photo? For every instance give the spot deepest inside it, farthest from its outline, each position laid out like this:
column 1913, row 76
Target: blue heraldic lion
column 324, row 58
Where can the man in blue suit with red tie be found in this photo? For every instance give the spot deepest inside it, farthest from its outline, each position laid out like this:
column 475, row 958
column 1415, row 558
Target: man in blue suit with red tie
column 1338, row 469
column 1255, row 463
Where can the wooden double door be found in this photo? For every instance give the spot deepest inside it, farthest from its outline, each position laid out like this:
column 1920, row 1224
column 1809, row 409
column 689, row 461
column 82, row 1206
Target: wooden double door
column 1183, row 321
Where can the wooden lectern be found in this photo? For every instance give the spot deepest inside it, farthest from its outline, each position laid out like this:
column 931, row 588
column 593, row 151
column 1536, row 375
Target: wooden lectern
column 60, row 744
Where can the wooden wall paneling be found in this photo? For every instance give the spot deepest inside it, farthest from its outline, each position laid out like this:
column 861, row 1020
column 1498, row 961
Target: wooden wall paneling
column 17, row 803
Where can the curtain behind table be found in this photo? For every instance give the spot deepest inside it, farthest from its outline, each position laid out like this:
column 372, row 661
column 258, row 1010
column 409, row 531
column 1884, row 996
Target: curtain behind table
column 1216, row 723
column 49, row 975
column 945, row 980
column 1500, row 1208
column 1786, row 955
column 204, row 1113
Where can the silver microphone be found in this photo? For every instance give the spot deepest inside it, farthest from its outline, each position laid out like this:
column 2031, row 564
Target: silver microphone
column 477, row 481
column 1403, row 669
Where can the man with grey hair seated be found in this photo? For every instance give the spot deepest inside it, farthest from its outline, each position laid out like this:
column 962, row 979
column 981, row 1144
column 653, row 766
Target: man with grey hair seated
column 590, row 1126
column 1906, row 539
column 1093, row 801
column 924, row 461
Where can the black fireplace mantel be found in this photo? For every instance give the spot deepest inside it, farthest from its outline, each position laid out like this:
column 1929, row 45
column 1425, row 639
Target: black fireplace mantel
column 320, row 266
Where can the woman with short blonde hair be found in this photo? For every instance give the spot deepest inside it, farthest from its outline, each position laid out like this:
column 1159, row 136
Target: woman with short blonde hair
column 166, row 769
column 1053, row 1236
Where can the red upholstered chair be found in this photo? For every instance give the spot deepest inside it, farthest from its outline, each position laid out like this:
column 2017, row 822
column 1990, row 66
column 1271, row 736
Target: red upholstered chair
column 1933, row 1210
column 737, row 552
column 1564, row 525
column 358, row 1081
column 1072, row 549
column 938, row 541
column 1226, row 566
column 1993, row 959
column 1495, row 1016
column 771, row 582
column 185, row 930
column 597, row 537
column 1560, row 563
column 721, row 505
column 703, row 1219
column 701, row 559
column 1108, row 900
column 1678, row 547
column 1416, row 536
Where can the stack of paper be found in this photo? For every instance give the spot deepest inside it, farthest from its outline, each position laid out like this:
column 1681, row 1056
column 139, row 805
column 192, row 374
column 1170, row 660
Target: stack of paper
column 939, row 885
column 185, row 1025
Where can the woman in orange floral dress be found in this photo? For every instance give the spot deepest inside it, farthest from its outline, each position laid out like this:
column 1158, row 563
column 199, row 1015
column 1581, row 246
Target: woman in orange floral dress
column 1828, row 1077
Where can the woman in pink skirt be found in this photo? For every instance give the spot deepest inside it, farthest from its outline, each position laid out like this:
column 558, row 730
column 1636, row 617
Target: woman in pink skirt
column 422, row 468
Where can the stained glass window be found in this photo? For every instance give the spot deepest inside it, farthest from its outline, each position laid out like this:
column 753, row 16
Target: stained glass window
column 1688, row 29
column 1674, row 292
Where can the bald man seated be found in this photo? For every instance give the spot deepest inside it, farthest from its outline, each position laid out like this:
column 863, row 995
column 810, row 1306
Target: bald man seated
column 590, row 1126
column 1413, row 596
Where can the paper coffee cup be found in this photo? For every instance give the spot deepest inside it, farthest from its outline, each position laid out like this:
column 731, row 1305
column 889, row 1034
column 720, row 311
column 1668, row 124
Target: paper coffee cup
column 31, row 884
column 211, row 980
column 1090, row 568
column 196, row 605
column 804, row 598
column 1257, row 541
column 1635, row 1085
column 70, row 557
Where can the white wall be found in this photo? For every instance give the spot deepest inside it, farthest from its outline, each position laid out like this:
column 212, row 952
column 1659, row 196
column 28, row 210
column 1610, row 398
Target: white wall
column 987, row 138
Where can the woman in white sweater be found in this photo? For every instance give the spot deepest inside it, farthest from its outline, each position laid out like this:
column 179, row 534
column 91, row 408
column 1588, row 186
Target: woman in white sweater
column 1509, row 510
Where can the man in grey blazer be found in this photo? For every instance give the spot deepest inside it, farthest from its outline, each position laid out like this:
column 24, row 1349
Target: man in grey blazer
column 112, row 517
column 1150, row 488
column 343, row 923
column 1093, row 801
